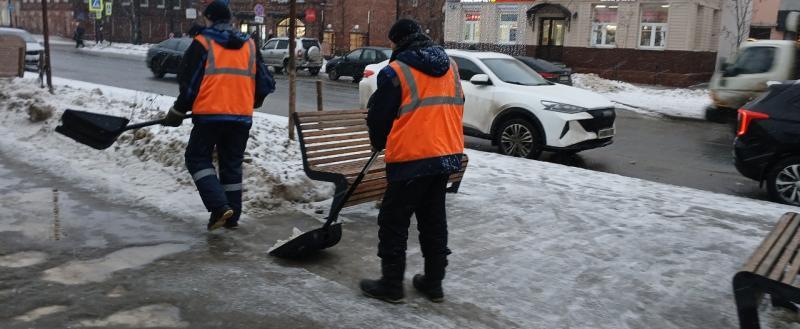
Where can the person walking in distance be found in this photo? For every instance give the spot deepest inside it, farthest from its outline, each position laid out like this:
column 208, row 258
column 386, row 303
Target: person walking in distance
column 222, row 78
column 416, row 116
column 78, row 35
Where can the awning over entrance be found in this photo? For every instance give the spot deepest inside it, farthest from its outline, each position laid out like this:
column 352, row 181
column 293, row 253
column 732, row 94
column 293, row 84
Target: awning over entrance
column 567, row 14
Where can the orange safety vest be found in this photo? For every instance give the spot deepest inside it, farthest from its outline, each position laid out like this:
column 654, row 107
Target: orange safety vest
column 429, row 121
column 229, row 82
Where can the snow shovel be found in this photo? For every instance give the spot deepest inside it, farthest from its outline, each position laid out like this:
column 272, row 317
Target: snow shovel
column 98, row 131
column 329, row 234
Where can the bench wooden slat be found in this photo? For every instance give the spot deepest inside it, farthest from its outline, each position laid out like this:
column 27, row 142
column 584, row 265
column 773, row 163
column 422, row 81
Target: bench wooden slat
column 359, row 136
column 791, row 274
column 756, row 258
column 314, row 155
column 337, row 124
column 326, row 132
column 777, row 248
column 356, row 199
column 780, row 268
column 328, row 113
column 333, row 146
column 344, row 158
column 364, row 200
column 327, row 118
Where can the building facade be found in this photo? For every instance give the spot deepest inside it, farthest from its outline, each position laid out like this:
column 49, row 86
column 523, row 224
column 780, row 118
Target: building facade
column 768, row 17
column 667, row 42
column 429, row 14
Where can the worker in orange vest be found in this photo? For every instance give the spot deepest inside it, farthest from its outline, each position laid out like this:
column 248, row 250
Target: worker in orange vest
column 222, row 78
column 415, row 115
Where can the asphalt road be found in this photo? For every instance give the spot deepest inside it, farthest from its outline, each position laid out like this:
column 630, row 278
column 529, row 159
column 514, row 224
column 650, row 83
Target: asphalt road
column 681, row 152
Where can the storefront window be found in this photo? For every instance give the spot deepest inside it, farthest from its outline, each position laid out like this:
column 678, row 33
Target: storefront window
column 654, row 26
column 283, row 28
column 472, row 27
column 604, row 25
column 508, row 28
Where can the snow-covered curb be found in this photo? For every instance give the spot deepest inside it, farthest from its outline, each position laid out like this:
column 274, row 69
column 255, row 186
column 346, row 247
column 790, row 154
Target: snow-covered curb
column 672, row 102
column 115, row 48
column 145, row 167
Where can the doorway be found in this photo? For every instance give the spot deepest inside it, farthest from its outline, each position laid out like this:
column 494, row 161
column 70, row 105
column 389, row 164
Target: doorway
column 551, row 39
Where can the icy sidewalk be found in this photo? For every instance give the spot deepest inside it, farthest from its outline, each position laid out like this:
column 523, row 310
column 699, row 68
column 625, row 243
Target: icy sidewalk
column 116, row 48
column 535, row 245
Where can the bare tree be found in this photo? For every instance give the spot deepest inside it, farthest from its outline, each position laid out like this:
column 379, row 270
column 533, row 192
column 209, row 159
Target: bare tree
column 742, row 11
column 131, row 11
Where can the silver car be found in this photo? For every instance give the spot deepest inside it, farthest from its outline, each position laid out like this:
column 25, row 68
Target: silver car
column 308, row 54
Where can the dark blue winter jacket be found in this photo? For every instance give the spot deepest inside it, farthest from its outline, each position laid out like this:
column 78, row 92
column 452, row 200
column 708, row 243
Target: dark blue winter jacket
column 385, row 103
column 192, row 70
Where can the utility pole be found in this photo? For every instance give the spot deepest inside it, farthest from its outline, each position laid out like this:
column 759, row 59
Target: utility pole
column 46, row 33
column 291, row 67
column 396, row 10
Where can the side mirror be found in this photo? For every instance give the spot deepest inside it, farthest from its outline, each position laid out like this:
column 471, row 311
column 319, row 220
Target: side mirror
column 480, row 80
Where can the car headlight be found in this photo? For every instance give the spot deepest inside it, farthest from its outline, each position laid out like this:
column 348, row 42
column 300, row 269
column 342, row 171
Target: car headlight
column 563, row 108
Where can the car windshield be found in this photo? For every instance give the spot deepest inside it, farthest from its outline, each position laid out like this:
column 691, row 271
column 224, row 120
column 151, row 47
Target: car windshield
column 754, row 60
column 515, row 72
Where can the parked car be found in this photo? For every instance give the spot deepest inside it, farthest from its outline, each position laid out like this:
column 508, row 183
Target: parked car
column 767, row 145
column 547, row 70
column 33, row 48
column 519, row 111
column 166, row 56
column 308, row 54
column 353, row 64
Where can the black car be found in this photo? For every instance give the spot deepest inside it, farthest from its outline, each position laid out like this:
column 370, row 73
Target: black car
column 166, row 56
column 353, row 63
column 547, row 70
column 767, row 145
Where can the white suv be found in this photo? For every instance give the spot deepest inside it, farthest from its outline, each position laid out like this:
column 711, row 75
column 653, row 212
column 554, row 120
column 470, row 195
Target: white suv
column 521, row 112
column 308, row 56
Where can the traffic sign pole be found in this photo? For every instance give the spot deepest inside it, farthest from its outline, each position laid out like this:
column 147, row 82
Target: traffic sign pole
column 46, row 32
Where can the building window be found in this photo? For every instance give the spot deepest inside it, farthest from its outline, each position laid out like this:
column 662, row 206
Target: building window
column 653, row 31
column 508, row 28
column 604, row 25
column 283, row 28
column 161, row 4
column 357, row 40
column 472, row 27
column 144, row 3
column 177, row 4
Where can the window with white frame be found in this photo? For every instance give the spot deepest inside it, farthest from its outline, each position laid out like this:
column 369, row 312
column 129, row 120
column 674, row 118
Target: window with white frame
column 472, row 27
column 177, row 4
column 144, row 3
column 653, row 27
column 508, row 28
column 604, row 25
column 161, row 4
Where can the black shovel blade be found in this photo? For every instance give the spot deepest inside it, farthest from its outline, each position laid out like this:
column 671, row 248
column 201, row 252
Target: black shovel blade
column 98, row 131
column 309, row 242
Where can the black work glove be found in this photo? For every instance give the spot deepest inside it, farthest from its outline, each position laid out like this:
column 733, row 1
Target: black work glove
column 173, row 118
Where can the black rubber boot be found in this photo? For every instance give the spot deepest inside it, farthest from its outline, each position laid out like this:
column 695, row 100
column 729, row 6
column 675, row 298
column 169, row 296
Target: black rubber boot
column 219, row 217
column 430, row 284
column 431, row 289
column 389, row 287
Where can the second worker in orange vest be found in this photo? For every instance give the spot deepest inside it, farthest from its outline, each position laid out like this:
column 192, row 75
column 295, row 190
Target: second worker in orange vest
column 416, row 115
column 222, row 79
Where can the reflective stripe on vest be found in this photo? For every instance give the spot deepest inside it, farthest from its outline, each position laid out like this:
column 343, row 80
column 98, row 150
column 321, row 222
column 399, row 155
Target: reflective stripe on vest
column 228, row 85
column 429, row 121
column 211, row 67
column 416, row 102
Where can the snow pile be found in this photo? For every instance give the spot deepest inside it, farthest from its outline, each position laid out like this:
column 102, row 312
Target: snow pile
column 119, row 48
column 146, row 166
column 675, row 102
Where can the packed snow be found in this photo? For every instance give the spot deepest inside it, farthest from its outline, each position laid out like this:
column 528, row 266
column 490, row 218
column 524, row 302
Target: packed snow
column 106, row 47
column 673, row 102
column 535, row 244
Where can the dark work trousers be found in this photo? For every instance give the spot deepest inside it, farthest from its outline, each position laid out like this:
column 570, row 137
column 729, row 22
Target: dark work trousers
column 230, row 140
column 425, row 198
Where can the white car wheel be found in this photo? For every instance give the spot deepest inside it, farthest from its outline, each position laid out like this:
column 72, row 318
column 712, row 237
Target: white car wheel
column 519, row 138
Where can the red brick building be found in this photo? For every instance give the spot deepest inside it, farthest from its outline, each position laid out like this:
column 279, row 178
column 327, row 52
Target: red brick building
column 429, row 14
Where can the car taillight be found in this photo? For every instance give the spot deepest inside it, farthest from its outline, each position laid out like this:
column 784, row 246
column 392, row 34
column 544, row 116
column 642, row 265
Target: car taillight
column 548, row 75
column 368, row 73
column 745, row 117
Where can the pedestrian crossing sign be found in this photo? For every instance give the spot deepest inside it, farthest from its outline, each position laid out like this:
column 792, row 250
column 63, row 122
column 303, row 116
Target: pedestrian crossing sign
column 96, row 5
column 109, row 5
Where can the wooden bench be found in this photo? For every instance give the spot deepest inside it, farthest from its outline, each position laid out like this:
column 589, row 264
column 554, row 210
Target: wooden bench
column 772, row 269
column 335, row 148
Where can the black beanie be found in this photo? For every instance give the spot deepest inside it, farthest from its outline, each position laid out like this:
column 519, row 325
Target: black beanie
column 402, row 29
column 217, row 11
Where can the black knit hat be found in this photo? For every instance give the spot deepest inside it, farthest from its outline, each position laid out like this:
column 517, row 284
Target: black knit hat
column 217, row 11
column 402, row 29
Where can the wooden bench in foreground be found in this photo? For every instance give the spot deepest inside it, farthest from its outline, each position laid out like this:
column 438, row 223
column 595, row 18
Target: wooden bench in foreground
column 772, row 270
column 335, row 147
